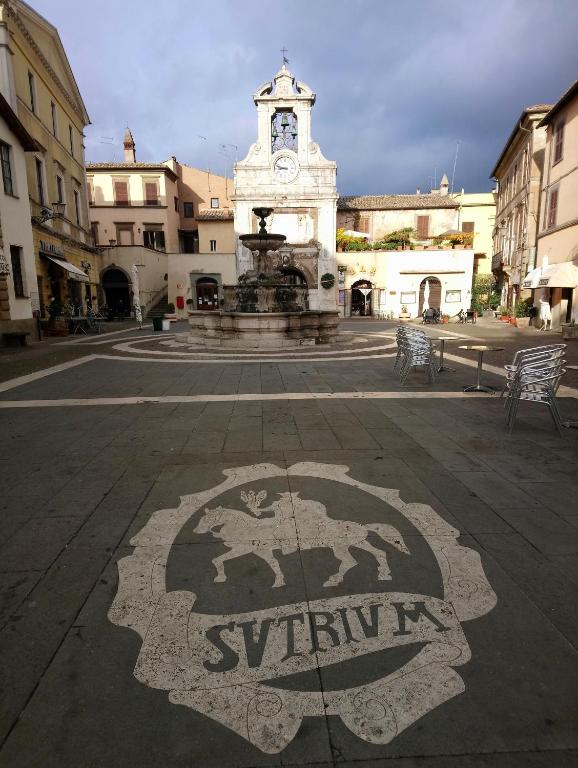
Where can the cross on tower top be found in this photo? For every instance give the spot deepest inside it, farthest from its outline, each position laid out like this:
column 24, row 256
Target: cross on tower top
column 285, row 59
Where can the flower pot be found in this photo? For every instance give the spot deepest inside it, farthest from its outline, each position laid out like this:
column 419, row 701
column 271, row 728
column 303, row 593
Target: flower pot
column 513, row 320
column 505, row 318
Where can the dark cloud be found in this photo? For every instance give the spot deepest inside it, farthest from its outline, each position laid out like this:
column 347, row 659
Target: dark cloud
column 398, row 84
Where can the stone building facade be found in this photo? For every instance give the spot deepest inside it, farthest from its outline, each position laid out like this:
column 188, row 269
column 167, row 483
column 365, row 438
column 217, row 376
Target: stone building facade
column 518, row 173
column 36, row 79
column 17, row 265
column 285, row 170
column 556, row 276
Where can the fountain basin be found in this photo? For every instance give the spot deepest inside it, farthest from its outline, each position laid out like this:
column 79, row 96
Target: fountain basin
column 269, row 330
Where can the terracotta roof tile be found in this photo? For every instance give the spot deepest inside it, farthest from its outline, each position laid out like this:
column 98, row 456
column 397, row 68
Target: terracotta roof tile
column 210, row 214
column 386, row 202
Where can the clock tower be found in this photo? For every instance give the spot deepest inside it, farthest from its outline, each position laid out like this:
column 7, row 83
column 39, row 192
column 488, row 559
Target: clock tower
column 285, row 170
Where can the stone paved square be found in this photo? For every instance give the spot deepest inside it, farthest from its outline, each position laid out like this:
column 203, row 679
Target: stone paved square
column 397, row 573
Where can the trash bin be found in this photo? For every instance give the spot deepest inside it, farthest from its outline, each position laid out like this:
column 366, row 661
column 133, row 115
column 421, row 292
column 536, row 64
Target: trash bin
column 157, row 323
column 166, row 325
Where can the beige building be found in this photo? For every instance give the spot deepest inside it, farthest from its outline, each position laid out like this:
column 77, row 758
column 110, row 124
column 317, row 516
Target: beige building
column 381, row 282
column 518, row 172
column 171, row 221
column 556, row 276
column 37, row 81
column 17, row 264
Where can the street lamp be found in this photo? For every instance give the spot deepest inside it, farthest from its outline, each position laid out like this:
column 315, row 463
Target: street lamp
column 56, row 212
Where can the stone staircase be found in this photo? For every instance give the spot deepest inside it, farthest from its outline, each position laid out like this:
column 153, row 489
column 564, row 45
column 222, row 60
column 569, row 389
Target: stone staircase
column 159, row 309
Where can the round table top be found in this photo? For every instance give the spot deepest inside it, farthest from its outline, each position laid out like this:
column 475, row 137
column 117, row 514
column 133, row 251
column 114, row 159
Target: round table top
column 482, row 348
column 448, row 338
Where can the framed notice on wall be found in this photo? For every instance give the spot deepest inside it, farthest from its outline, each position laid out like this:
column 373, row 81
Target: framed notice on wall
column 453, row 296
column 408, row 297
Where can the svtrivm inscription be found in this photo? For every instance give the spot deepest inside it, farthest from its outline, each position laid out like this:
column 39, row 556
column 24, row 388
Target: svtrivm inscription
column 224, row 665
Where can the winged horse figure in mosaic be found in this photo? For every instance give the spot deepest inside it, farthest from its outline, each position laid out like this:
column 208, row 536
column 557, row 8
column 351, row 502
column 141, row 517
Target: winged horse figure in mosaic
column 296, row 524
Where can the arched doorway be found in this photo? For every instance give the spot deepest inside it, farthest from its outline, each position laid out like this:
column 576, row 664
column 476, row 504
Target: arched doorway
column 361, row 298
column 294, row 276
column 116, row 291
column 207, row 293
column 435, row 293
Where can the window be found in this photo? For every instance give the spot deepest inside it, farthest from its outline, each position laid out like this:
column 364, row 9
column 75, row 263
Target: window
column 32, row 91
column 16, row 258
column 121, row 193
column 59, row 190
column 363, row 224
column 214, row 202
column 71, row 138
column 188, row 211
column 77, row 206
column 468, row 226
column 125, row 234
column 151, row 193
column 154, row 238
column 213, row 245
column 39, row 182
column 422, row 227
column 552, row 208
column 558, row 141
column 54, row 119
column 5, row 151
column 177, row 204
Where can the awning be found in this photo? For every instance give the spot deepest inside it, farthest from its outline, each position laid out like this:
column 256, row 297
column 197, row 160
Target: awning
column 563, row 275
column 532, row 278
column 73, row 272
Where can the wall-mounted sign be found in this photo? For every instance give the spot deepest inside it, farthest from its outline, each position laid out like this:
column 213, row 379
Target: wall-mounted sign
column 55, row 250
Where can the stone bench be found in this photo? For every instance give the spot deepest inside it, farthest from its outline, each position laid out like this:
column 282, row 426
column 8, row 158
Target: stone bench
column 18, row 337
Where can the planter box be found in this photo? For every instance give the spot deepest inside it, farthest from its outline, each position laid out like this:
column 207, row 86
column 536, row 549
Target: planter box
column 523, row 322
column 570, row 331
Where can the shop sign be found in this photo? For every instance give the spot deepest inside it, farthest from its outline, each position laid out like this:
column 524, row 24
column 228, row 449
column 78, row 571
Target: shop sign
column 51, row 248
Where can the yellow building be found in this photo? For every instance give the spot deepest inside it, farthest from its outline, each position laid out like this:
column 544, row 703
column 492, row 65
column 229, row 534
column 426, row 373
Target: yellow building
column 35, row 72
column 477, row 214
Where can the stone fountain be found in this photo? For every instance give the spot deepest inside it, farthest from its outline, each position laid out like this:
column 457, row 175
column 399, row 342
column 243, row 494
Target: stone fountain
column 263, row 310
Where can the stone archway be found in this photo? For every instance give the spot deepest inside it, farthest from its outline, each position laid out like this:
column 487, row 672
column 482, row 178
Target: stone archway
column 435, row 293
column 362, row 299
column 116, row 287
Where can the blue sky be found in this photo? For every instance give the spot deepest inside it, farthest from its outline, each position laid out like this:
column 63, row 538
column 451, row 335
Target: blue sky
column 397, row 83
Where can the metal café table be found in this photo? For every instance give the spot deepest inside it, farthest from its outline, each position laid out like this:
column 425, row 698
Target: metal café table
column 480, row 349
column 442, row 340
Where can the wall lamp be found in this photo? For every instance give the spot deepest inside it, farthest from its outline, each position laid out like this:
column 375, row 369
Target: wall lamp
column 56, row 212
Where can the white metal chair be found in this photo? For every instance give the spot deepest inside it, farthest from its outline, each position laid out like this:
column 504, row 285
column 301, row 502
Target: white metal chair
column 532, row 354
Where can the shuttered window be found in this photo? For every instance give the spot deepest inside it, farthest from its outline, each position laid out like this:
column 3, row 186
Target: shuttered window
column 121, row 193
column 552, row 208
column 151, row 193
column 422, row 227
column 558, row 141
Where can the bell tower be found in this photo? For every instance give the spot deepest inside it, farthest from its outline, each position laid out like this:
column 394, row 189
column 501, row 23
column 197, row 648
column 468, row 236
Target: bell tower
column 285, row 170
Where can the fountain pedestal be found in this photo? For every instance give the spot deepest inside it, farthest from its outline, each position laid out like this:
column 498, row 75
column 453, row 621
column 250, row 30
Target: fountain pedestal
column 263, row 311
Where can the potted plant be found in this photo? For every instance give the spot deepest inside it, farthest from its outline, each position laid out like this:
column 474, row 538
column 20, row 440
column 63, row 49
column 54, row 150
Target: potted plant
column 445, row 318
column 504, row 313
column 522, row 313
column 570, row 330
column 404, row 314
column 57, row 323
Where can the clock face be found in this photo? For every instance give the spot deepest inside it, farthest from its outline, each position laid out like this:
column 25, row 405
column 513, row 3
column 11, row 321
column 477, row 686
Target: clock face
column 285, row 168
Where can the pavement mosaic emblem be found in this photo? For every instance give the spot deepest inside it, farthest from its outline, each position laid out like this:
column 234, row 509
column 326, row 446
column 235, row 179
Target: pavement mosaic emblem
column 236, row 667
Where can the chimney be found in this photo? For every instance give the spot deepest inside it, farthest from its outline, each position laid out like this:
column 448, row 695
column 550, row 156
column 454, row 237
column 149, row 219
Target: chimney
column 129, row 147
column 444, row 185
